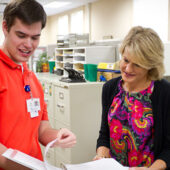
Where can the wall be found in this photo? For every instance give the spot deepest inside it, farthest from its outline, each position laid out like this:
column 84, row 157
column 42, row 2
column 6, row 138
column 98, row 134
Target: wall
column 49, row 34
column 45, row 35
column 106, row 17
column 111, row 17
column 1, row 32
column 153, row 14
column 169, row 20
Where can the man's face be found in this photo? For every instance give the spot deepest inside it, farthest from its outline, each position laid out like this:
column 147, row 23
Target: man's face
column 21, row 40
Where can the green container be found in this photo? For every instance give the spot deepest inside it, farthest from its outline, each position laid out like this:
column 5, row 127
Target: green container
column 86, row 71
column 90, row 71
column 51, row 65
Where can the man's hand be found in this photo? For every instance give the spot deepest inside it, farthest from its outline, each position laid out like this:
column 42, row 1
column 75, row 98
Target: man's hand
column 65, row 138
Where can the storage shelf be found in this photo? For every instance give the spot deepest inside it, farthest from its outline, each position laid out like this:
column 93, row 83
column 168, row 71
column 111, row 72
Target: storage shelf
column 77, row 56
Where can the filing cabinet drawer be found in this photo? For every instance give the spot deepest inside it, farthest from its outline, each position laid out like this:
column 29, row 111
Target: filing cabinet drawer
column 49, row 102
column 48, row 89
column 61, row 113
column 59, row 125
column 51, row 156
column 61, row 104
column 45, row 88
column 61, row 94
column 60, row 159
column 65, row 152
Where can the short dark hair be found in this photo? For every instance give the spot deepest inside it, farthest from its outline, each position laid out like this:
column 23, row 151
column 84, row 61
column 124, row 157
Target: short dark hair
column 28, row 11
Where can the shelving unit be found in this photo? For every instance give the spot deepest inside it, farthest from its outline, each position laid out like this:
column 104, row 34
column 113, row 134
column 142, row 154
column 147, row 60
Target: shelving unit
column 77, row 56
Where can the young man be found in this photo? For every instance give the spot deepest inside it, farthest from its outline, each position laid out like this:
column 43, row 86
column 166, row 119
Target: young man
column 23, row 113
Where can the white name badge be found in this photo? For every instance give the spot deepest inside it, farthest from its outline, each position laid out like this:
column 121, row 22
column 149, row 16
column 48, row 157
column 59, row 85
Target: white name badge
column 33, row 106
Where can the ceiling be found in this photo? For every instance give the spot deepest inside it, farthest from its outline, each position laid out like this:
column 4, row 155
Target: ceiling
column 70, row 4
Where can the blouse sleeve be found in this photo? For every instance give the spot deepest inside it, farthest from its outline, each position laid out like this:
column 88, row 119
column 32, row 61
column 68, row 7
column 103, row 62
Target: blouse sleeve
column 103, row 139
column 161, row 109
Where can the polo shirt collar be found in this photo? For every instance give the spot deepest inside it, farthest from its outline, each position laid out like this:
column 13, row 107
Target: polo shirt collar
column 7, row 60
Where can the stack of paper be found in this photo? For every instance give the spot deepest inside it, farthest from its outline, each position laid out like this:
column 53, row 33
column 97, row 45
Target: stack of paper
column 33, row 163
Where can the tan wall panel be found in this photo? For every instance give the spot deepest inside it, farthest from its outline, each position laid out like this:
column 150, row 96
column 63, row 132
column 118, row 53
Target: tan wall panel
column 107, row 17
column 111, row 17
column 49, row 34
column 99, row 14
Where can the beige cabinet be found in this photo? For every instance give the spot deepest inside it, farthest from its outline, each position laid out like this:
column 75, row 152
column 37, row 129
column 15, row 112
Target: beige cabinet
column 46, row 81
column 76, row 106
column 48, row 96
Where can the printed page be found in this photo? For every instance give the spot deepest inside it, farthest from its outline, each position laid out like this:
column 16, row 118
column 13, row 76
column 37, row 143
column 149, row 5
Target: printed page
column 102, row 164
column 27, row 160
column 24, row 159
column 47, row 165
column 33, row 163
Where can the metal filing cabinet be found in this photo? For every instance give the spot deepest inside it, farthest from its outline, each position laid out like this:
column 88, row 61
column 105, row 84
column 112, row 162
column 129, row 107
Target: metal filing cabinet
column 48, row 89
column 76, row 106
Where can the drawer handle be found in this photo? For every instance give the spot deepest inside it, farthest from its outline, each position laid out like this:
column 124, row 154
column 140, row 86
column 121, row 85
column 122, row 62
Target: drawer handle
column 46, row 91
column 60, row 106
column 61, row 95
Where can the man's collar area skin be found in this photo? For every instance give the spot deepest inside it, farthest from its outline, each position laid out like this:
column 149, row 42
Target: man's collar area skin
column 10, row 62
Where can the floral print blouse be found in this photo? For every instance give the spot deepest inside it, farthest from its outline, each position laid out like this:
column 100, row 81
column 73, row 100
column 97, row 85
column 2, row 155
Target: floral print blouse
column 130, row 120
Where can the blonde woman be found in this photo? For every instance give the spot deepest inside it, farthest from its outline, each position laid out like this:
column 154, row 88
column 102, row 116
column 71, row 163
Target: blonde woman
column 135, row 127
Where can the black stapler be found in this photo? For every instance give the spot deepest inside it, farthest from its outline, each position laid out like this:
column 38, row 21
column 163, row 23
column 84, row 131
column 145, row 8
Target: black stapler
column 73, row 76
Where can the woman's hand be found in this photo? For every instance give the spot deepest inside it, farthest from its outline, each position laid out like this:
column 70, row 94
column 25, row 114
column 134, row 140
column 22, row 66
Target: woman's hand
column 97, row 157
column 102, row 152
column 139, row 168
column 65, row 138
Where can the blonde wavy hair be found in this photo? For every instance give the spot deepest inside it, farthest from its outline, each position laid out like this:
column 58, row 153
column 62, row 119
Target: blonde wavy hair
column 147, row 50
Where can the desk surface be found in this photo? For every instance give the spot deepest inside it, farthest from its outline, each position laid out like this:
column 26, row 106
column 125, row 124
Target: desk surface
column 53, row 78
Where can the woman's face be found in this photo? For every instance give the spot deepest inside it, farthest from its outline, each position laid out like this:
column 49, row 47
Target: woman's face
column 131, row 72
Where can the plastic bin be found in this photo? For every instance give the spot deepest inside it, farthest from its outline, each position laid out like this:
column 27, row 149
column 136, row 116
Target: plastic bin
column 51, row 65
column 107, row 71
column 90, row 71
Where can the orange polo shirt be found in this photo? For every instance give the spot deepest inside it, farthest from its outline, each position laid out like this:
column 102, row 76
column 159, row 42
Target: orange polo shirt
column 17, row 129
